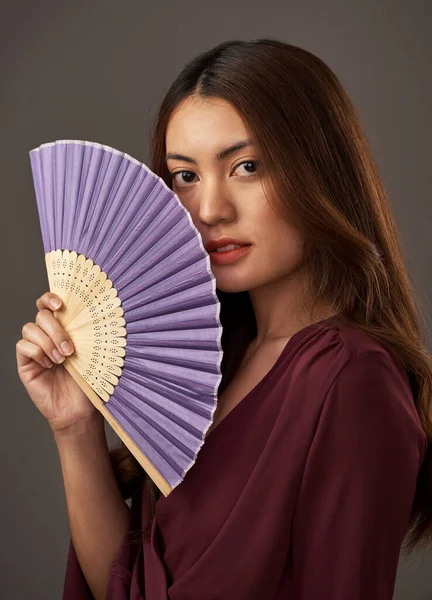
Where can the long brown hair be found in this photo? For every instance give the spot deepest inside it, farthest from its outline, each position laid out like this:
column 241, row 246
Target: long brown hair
column 327, row 184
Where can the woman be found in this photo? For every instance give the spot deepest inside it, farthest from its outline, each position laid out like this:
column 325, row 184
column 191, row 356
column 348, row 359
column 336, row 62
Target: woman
column 317, row 463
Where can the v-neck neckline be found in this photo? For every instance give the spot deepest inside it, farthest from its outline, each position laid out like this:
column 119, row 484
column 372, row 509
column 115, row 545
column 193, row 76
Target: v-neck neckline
column 162, row 504
column 291, row 341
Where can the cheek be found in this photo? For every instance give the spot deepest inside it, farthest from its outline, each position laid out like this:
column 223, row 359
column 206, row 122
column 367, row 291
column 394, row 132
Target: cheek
column 285, row 243
column 187, row 203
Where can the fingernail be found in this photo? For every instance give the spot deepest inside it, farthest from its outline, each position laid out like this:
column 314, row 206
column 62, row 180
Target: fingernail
column 66, row 347
column 57, row 356
column 47, row 363
column 54, row 303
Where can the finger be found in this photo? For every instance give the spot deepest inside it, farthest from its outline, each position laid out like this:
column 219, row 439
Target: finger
column 35, row 334
column 26, row 351
column 45, row 301
column 46, row 320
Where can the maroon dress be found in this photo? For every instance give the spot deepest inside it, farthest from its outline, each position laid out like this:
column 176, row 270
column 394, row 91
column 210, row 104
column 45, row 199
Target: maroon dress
column 303, row 491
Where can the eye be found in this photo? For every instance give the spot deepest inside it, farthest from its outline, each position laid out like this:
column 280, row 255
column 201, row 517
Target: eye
column 187, row 176
column 254, row 164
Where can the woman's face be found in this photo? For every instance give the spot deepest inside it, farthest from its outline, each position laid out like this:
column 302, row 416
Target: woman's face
column 225, row 197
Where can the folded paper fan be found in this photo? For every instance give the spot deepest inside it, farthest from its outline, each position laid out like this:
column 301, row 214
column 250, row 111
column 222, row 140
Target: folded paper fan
column 140, row 301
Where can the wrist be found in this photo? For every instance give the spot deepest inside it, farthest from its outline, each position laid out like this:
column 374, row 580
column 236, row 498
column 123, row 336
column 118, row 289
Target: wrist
column 82, row 429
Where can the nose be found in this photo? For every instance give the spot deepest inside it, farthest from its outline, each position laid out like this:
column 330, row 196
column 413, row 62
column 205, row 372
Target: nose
column 214, row 204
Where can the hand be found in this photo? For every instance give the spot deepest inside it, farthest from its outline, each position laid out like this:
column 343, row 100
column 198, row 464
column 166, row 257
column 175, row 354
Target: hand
column 52, row 389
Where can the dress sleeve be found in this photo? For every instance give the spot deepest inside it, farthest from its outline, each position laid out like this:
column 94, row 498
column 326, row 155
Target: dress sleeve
column 120, row 583
column 358, row 486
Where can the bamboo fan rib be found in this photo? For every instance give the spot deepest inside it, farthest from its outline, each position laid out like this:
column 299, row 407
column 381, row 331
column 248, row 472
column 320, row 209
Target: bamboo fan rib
column 140, row 300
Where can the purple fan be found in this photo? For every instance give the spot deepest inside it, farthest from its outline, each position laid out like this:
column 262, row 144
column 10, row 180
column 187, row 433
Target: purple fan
column 140, row 300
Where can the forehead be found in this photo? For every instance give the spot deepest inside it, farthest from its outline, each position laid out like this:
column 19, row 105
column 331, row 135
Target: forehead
column 209, row 120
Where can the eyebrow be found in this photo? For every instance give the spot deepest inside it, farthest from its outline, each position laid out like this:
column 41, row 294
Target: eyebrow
column 220, row 156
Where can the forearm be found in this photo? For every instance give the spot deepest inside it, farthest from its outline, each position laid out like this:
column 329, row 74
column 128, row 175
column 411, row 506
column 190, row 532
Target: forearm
column 98, row 515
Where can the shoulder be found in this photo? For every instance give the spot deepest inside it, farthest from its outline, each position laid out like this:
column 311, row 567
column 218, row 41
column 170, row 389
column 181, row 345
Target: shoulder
column 326, row 349
column 345, row 370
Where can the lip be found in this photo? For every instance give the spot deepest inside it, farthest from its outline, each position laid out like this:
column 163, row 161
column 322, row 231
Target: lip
column 225, row 258
column 221, row 242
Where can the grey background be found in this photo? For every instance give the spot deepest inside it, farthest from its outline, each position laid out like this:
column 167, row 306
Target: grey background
column 97, row 71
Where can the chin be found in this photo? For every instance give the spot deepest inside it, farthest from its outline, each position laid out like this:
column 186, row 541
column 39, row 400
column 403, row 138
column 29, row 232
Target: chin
column 231, row 284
